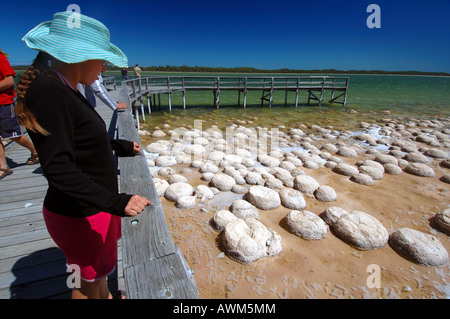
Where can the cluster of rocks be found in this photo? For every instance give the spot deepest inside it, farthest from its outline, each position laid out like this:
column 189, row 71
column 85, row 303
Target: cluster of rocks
column 246, row 239
column 269, row 175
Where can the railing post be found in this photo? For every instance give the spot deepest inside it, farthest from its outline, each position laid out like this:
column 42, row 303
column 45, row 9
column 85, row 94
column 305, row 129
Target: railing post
column 168, row 94
column 217, row 93
column 286, row 94
column 183, row 93
column 271, row 92
column 245, row 92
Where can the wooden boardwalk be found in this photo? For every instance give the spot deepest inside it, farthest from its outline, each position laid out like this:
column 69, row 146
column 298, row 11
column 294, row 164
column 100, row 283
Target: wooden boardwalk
column 315, row 86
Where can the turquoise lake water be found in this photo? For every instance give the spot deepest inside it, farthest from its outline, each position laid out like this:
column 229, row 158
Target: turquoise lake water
column 369, row 96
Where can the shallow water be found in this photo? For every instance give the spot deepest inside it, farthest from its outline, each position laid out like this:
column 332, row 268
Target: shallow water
column 419, row 96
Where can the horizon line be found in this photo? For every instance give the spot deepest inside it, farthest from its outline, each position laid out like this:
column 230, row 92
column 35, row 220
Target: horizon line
column 257, row 70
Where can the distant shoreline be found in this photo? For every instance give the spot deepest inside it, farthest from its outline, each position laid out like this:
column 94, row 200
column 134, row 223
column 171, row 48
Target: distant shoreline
column 248, row 70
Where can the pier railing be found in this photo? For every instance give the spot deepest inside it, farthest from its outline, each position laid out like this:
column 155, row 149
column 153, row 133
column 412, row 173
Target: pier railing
column 153, row 266
column 316, row 86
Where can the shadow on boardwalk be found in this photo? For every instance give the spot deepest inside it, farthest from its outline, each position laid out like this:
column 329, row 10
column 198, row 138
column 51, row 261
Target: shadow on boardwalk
column 40, row 275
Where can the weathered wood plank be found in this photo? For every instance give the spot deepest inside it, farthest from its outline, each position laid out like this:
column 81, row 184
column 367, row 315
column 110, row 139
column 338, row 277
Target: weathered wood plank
column 164, row 276
column 153, row 267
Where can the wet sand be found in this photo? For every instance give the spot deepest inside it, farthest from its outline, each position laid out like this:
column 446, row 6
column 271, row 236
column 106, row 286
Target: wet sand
column 326, row 268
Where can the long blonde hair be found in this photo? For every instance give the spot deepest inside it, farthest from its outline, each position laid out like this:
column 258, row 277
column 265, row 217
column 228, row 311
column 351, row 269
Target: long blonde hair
column 23, row 113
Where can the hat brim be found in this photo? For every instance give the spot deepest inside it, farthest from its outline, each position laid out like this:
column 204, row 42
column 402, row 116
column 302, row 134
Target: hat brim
column 69, row 50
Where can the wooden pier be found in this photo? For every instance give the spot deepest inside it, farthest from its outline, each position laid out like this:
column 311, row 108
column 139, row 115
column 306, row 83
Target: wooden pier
column 150, row 265
column 149, row 87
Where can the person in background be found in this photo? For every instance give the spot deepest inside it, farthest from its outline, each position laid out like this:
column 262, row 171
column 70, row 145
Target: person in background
column 124, row 72
column 9, row 127
column 137, row 71
column 83, row 207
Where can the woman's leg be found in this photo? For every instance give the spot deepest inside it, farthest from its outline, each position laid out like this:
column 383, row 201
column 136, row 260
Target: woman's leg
column 92, row 290
column 104, row 290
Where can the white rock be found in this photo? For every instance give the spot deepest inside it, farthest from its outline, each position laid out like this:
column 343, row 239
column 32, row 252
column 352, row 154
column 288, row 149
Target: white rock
column 221, row 218
column 283, row 175
column 207, row 176
column 215, row 156
column 362, row 179
column 186, row 202
column 306, row 224
column 416, row 157
column 239, row 189
column 249, row 240
column 293, row 199
column 360, row 230
column 160, row 186
column 442, row 221
column 332, row 214
column 248, row 162
column 263, row 197
column 176, row 190
column 197, row 163
column 203, row 192
column 223, row 182
column 175, row 178
column 373, row 172
column 287, row 165
column 243, row 209
column 268, row 160
column 230, row 160
column 273, row 183
column 156, row 147
column 254, row 178
column 347, row 152
column 305, row 184
column 208, row 167
column 201, row 141
column 436, row 153
column 325, row 194
column 392, row 169
column 158, row 133
column 311, row 165
column 421, row 248
column 386, row 159
column 419, row 169
column 372, row 164
column 183, row 158
column 165, row 161
column 194, row 149
column 166, row 171
column 345, row 169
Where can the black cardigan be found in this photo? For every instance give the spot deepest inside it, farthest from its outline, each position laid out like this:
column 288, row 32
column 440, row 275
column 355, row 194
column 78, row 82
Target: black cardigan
column 77, row 157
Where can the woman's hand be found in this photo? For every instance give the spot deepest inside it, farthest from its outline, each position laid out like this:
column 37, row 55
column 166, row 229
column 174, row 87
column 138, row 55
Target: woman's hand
column 137, row 148
column 136, row 205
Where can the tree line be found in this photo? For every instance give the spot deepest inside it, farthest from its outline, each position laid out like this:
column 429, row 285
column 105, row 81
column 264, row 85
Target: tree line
column 208, row 69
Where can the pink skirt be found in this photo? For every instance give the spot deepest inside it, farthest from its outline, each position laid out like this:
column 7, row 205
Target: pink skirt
column 89, row 243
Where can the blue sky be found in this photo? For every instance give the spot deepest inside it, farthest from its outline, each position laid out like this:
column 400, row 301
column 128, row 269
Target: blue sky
column 296, row 34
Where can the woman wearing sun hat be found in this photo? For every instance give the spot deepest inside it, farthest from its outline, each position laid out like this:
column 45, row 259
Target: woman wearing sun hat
column 82, row 208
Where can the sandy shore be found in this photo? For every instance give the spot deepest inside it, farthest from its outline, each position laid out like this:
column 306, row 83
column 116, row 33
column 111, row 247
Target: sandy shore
column 326, row 268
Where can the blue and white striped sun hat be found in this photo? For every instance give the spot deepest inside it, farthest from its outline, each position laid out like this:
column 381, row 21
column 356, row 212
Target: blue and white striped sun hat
column 73, row 37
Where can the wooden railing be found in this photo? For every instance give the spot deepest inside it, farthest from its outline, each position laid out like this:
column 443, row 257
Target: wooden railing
column 148, row 86
column 153, row 266
column 110, row 80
